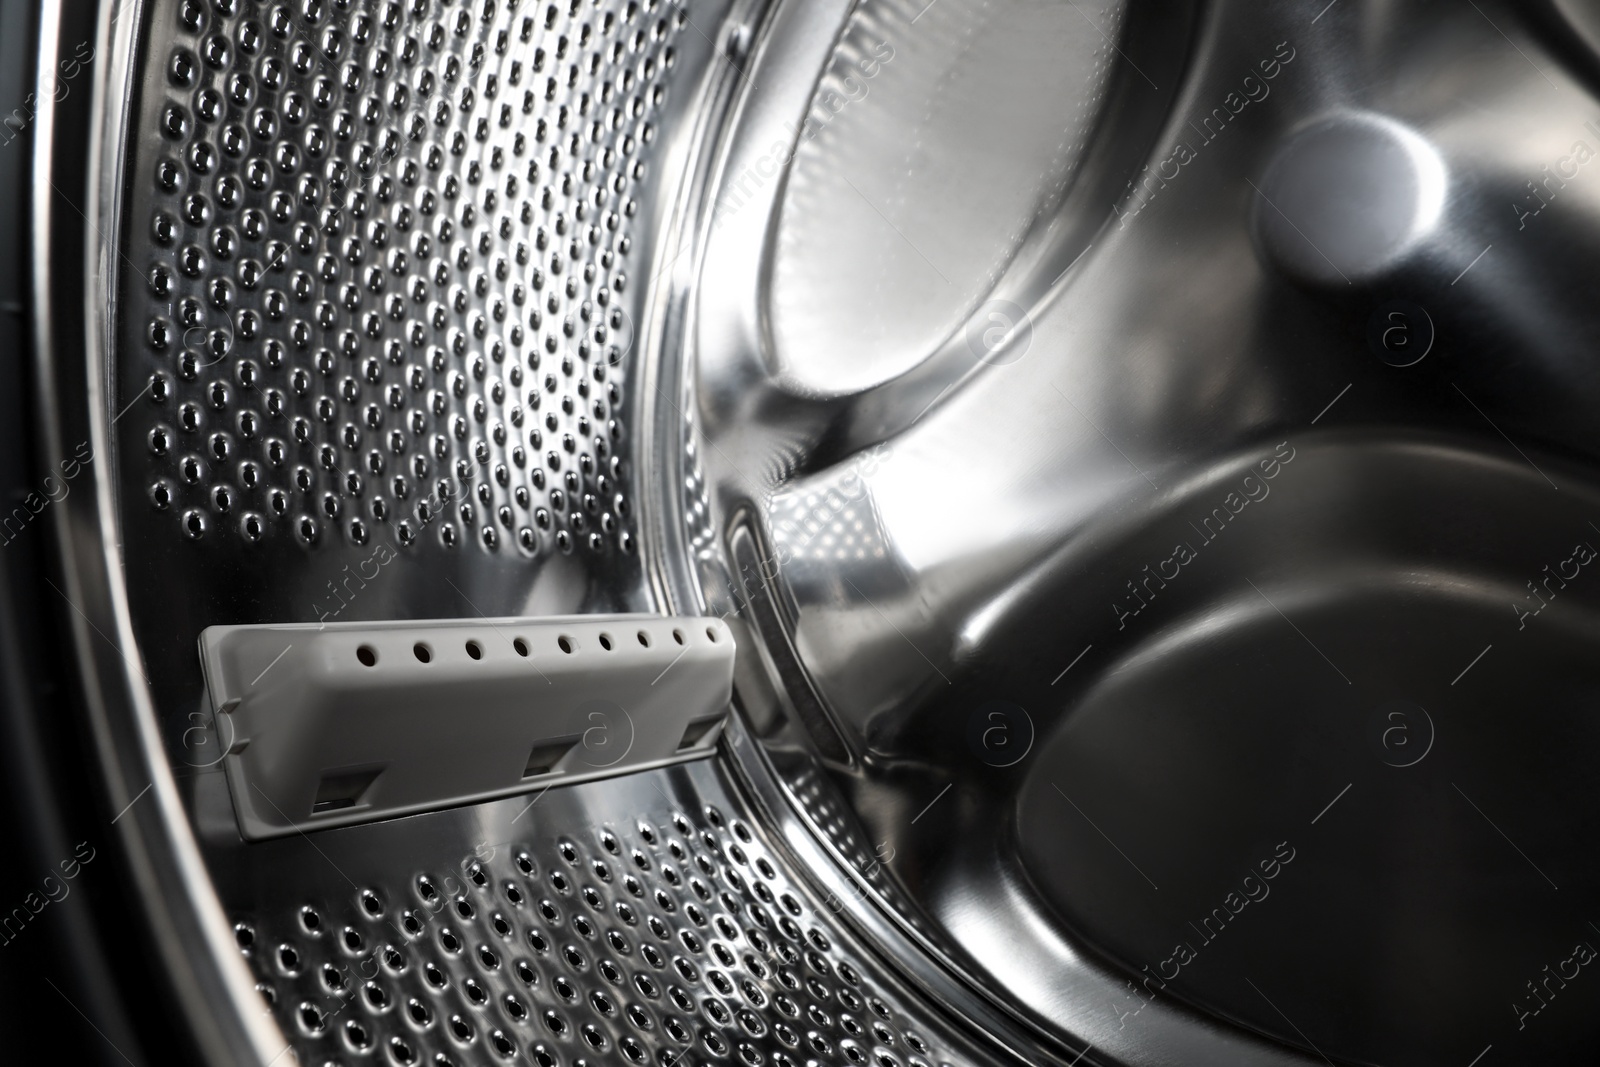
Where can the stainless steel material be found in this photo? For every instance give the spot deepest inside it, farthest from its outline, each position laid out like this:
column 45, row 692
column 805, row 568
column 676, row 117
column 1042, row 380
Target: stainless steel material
column 1115, row 437
column 204, row 524
column 139, row 587
column 855, row 300
column 644, row 920
column 1201, row 523
column 74, row 134
column 326, row 725
column 372, row 238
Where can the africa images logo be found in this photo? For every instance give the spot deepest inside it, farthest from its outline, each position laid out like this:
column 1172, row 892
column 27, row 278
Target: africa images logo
column 1253, row 489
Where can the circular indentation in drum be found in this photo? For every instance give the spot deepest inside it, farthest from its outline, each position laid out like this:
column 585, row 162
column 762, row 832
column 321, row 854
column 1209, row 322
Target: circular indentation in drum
column 1348, row 198
column 1341, row 746
column 927, row 156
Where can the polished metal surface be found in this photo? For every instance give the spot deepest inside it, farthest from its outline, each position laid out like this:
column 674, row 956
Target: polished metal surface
column 387, row 267
column 645, row 920
column 385, row 273
column 1142, row 453
column 373, row 259
column 385, row 247
column 1164, row 501
column 208, row 351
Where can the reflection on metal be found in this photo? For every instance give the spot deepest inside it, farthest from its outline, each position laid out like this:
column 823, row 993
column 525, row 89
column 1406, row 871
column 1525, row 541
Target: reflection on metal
column 1319, row 235
column 648, row 919
column 1349, row 197
column 937, row 349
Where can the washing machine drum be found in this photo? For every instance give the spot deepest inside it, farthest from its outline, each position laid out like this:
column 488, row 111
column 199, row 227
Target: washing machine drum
column 811, row 531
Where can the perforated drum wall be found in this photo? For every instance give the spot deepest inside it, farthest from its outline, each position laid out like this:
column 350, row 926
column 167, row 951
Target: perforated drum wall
column 380, row 259
column 645, row 920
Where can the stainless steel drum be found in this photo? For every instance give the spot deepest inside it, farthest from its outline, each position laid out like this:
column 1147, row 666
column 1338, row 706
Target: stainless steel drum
column 1142, row 454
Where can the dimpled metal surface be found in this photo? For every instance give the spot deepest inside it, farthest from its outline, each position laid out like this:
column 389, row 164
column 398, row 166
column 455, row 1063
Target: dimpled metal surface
column 379, row 262
column 646, row 920
column 380, row 269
